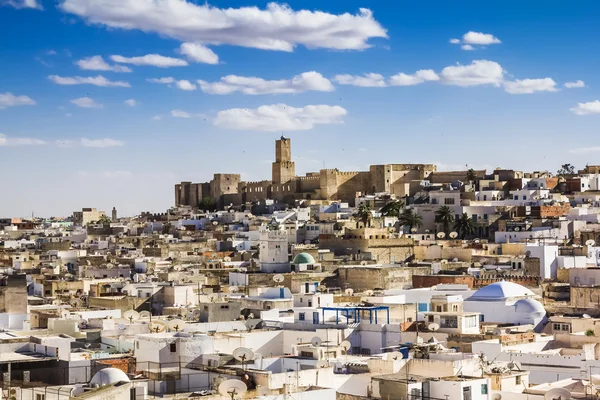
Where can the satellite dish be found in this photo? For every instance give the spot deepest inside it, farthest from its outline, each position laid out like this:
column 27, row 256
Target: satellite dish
column 76, row 303
column 345, row 345
column 441, row 235
column 496, row 396
column 322, row 364
column 557, row 394
column 131, row 315
column 316, row 341
column 278, row 278
column 232, row 388
column 433, row 327
column 176, row 325
column 233, row 289
column 65, row 314
column 349, row 292
column 511, row 365
column 243, row 354
column 517, row 229
column 322, row 288
column 590, row 242
column 393, row 356
column 145, row 314
column 527, row 253
column 453, row 235
column 215, row 223
column 157, row 326
column 369, row 292
column 586, row 316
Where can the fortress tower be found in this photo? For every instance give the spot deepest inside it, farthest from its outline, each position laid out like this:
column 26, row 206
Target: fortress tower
column 284, row 168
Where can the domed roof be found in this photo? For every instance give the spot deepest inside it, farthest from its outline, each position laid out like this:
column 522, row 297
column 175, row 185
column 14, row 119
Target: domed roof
column 529, row 306
column 501, row 290
column 109, row 376
column 304, row 258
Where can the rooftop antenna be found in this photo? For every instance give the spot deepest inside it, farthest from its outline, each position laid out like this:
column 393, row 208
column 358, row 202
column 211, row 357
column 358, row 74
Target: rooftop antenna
column 131, row 315
column 176, row 325
column 157, row 326
column 232, row 388
column 557, row 394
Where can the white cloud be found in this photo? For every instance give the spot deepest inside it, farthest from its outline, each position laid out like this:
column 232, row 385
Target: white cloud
column 277, row 27
column 89, row 80
column 467, row 47
column 454, row 41
column 97, row 63
column 528, row 86
column 368, row 80
column 479, row 72
column 10, row 100
column 585, row 150
column 180, row 114
column 157, row 117
column 19, row 141
column 185, row 85
column 480, row 38
column 574, row 85
column 101, row 143
column 198, row 53
column 130, row 102
column 418, row 77
column 22, row 4
column 279, row 117
column 167, row 80
column 155, row 60
column 591, row 107
column 307, row 81
column 86, row 102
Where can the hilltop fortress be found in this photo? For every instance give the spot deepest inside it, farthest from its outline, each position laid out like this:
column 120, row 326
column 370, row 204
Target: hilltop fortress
column 286, row 186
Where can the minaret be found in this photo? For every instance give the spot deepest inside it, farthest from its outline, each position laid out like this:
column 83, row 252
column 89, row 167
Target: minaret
column 284, row 168
column 114, row 214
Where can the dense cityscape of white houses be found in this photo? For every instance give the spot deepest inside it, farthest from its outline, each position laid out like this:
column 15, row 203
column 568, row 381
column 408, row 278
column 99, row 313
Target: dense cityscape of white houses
column 400, row 282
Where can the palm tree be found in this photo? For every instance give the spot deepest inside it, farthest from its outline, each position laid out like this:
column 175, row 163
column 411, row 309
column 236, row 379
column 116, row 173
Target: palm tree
column 392, row 209
column 363, row 213
column 471, row 175
column 464, row 225
column 411, row 219
column 445, row 217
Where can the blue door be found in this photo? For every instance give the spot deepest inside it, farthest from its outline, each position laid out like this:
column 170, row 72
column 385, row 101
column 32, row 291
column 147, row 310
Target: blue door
column 315, row 317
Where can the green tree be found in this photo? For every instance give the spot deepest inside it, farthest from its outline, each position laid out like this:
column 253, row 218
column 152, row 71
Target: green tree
column 464, row 226
column 566, row 169
column 363, row 213
column 445, row 216
column 104, row 220
column 392, row 209
column 207, row 204
column 411, row 219
column 471, row 175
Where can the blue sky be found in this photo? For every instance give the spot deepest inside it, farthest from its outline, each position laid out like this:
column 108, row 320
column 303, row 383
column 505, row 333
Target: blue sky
column 85, row 121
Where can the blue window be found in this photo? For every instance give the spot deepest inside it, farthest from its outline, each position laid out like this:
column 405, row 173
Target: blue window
column 301, row 316
column 423, row 307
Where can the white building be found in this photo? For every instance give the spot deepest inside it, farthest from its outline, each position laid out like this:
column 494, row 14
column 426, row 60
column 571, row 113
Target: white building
column 273, row 253
column 507, row 303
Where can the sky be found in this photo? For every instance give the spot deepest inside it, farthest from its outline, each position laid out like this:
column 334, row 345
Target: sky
column 109, row 103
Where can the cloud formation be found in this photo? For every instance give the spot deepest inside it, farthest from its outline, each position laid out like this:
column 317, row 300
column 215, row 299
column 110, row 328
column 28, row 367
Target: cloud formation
column 421, row 76
column 528, row 86
column 101, row 143
column 479, row 72
column 475, row 40
column 198, row 53
column 97, row 63
column 10, row 100
column 154, row 60
column 22, row 4
column 575, row 85
column 130, row 102
column 87, row 80
column 276, row 27
column 307, row 81
column 19, row 141
column 86, row 102
column 367, row 80
column 279, row 117
column 591, row 107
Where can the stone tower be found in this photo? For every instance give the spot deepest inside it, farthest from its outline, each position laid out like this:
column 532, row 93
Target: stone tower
column 284, row 168
column 114, row 214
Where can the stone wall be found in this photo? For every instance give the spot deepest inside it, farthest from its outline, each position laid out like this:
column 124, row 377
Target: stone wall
column 425, row 281
column 368, row 278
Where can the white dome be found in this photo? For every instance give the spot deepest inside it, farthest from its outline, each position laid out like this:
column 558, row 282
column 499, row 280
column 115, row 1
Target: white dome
column 109, row 376
column 529, row 306
column 499, row 291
